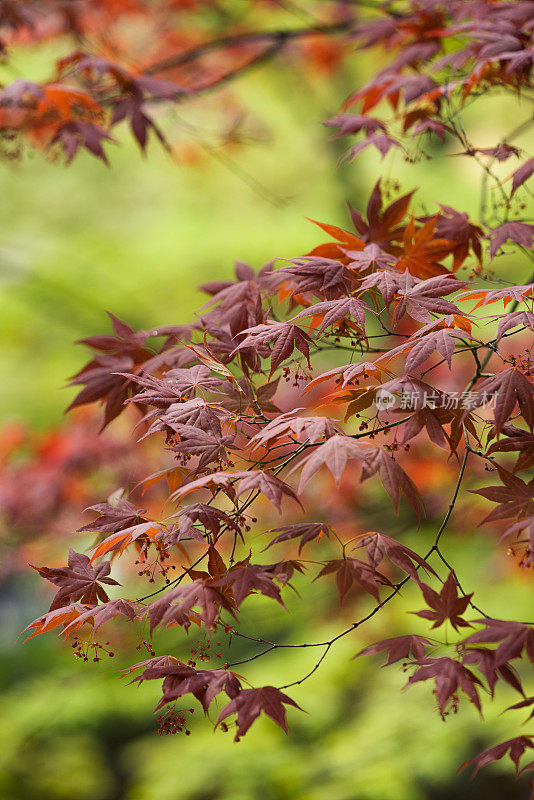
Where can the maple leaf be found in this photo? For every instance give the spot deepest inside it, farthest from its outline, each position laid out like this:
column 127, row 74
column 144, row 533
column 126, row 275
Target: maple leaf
column 177, row 605
column 422, row 252
column 305, row 429
column 515, row 747
column 426, row 298
column 349, row 373
column 216, row 565
column 379, row 546
column 519, row 232
column 249, row 704
column 78, row 581
column 215, row 481
column 104, row 613
column 514, row 319
column 271, row 486
column 246, row 480
column 382, row 141
column 526, row 703
column 514, row 496
column 74, row 134
column 231, row 297
column 107, row 377
column 264, row 396
column 193, row 441
column 509, row 387
column 180, row 679
column 205, row 686
column 372, row 257
column 326, row 277
column 335, row 251
column 209, row 517
column 432, row 421
column 388, row 282
column 521, row 175
column 484, row 658
column 354, row 123
column 517, row 293
column 350, row 571
column 394, row 478
column 462, row 236
column 379, row 88
column 245, row 578
column 398, row 648
column 125, row 341
column 156, row 663
column 196, row 412
column 132, row 92
column 305, row 531
column 383, row 225
column 333, row 454
column 428, row 125
column 188, row 381
column 332, row 311
column 243, row 396
column 53, row 619
column 112, row 518
column 502, row 152
column 21, row 93
column 512, row 636
column 283, row 571
column 177, row 387
column 358, row 399
column 515, row 439
column 102, row 380
column 449, row 676
column 284, row 338
column 446, row 605
column 144, row 534
column 421, row 345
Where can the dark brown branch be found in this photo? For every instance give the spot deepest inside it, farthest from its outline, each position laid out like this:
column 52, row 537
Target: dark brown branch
column 276, row 38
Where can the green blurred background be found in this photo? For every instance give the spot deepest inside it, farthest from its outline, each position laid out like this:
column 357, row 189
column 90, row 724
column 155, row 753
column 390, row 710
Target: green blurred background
column 136, row 239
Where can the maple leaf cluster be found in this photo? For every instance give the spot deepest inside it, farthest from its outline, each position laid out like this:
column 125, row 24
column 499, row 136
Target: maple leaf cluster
column 241, row 402
column 125, row 59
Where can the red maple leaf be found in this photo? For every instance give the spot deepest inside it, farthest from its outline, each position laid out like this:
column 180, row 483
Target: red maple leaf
column 78, row 581
column 305, row 531
column 515, row 747
column 250, row 703
column 351, row 571
column 399, row 647
column 449, row 676
column 446, row 605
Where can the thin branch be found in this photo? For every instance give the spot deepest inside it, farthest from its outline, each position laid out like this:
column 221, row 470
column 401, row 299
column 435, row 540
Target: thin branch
column 276, row 38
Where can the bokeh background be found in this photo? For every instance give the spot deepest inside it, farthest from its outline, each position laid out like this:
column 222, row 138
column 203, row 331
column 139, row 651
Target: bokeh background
column 136, row 239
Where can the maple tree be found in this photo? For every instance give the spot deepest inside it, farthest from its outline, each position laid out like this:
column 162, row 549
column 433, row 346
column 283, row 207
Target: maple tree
column 405, row 298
